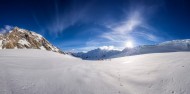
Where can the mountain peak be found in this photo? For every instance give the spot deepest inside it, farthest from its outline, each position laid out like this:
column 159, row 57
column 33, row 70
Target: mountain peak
column 18, row 38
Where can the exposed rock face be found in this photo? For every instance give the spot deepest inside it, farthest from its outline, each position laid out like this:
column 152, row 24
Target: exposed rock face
column 23, row 39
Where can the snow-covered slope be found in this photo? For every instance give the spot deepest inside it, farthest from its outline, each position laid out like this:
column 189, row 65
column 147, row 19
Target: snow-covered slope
column 169, row 46
column 44, row 72
column 18, row 38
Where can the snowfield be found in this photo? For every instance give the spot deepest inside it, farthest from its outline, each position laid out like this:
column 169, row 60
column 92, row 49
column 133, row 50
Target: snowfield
column 30, row 71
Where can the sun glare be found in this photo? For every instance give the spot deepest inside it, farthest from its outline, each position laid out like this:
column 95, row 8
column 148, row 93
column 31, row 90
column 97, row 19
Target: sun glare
column 129, row 44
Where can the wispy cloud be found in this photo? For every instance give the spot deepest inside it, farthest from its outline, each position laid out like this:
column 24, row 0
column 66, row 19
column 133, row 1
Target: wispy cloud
column 63, row 17
column 132, row 27
column 108, row 47
column 125, row 26
column 119, row 32
column 5, row 29
column 129, row 24
column 63, row 20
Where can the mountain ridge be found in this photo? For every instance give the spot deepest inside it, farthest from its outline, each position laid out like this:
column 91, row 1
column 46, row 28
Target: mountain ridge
column 168, row 46
column 18, row 38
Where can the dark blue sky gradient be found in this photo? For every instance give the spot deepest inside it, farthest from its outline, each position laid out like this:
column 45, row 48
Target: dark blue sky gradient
column 81, row 25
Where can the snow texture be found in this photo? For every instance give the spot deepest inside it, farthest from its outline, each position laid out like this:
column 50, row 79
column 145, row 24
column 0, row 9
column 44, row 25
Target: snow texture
column 1, row 44
column 30, row 71
column 24, row 42
column 42, row 48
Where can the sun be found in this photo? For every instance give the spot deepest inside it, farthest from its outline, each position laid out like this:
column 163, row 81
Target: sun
column 129, row 44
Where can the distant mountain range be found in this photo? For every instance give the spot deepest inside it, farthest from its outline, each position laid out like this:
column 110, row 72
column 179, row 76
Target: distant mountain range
column 96, row 54
column 169, row 46
column 18, row 38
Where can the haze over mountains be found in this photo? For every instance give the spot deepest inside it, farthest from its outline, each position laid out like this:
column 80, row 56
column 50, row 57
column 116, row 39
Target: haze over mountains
column 169, row 46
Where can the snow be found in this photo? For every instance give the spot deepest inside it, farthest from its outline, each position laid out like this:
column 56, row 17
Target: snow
column 21, row 30
column 10, row 31
column 29, row 71
column 42, row 48
column 52, row 47
column 1, row 44
column 38, row 36
column 15, row 47
column 24, row 42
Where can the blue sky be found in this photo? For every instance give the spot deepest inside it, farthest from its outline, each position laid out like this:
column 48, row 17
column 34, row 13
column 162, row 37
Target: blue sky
column 82, row 25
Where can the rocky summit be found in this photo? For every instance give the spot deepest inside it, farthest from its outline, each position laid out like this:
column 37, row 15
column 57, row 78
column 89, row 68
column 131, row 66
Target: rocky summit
column 18, row 38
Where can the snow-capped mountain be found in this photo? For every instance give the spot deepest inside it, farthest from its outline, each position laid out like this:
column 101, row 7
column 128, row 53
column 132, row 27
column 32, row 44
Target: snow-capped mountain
column 18, row 38
column 168, row 46
column 97, row 54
